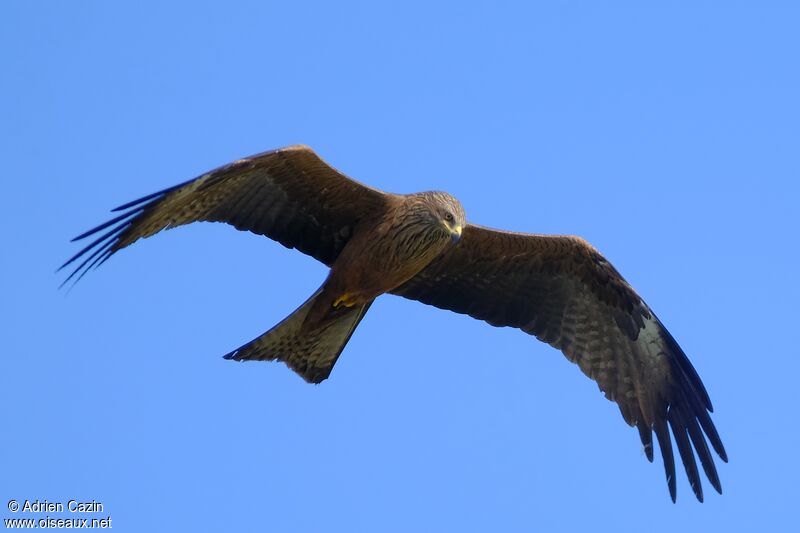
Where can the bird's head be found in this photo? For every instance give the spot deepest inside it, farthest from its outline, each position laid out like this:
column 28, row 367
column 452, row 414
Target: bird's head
column 446, row 213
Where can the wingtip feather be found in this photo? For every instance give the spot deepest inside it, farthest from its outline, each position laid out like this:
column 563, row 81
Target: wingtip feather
column 665, row 443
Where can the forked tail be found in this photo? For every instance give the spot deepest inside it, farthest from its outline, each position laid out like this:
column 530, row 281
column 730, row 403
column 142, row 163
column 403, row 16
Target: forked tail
column 312, row 349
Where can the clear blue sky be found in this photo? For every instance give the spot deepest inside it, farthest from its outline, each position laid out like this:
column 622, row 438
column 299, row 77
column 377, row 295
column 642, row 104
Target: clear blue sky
column 667, row 137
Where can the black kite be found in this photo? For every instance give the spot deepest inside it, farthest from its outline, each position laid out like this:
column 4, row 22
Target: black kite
column 419, row 246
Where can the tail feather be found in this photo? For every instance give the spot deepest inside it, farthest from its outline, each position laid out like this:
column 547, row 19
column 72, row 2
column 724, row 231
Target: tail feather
column 310, row 349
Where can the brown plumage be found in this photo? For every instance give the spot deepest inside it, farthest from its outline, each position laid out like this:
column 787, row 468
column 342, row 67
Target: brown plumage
column 558, row 288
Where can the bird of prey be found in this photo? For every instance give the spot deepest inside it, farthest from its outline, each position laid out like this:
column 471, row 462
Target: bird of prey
column 419, row 246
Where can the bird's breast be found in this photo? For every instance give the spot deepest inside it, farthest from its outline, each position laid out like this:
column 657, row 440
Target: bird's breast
column 376, row 262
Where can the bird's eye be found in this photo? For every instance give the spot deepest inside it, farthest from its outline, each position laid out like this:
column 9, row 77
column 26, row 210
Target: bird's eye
column 448, row 217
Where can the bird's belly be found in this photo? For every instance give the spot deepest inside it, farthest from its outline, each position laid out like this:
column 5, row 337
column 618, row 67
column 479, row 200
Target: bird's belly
column 366, row 269
column 369, row 286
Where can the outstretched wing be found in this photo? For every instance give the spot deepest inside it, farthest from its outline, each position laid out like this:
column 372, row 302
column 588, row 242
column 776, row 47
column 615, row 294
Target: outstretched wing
column 290, row 195
column 564, row 292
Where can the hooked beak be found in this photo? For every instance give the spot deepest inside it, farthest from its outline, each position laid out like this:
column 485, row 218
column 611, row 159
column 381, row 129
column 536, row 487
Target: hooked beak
column 455, row 234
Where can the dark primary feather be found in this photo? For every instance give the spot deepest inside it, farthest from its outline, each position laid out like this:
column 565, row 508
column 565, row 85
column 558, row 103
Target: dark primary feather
column 564, row 292
column 289, row 195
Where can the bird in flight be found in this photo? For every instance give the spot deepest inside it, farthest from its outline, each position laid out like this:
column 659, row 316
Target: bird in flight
column 419, row 246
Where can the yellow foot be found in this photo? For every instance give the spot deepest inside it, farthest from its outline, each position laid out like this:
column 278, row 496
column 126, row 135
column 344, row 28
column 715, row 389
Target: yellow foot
column 347, row 299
